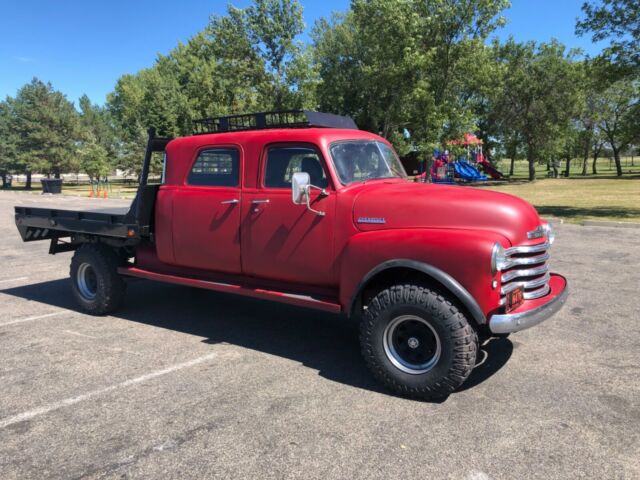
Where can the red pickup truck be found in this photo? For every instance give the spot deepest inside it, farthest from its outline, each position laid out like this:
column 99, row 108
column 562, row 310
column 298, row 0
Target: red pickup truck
column 304, row 208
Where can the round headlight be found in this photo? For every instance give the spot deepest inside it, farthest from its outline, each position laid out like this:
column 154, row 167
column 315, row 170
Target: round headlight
column 498, row 258
column 548, row 231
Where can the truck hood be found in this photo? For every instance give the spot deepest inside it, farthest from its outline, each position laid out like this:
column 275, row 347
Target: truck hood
column 382, row 205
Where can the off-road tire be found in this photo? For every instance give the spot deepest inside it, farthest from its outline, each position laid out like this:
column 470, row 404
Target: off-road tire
column 108, row 287
column 457, row 338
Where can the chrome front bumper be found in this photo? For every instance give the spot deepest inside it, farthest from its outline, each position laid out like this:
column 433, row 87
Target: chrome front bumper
column 514, row 322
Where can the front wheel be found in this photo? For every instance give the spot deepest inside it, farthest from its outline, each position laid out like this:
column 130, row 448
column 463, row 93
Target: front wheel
column 95, row 282
column 416, row 342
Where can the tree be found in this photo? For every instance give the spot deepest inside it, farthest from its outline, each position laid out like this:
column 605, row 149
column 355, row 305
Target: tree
column 46, row 125
column 94, row 160
column 618, row 106
column 619, row 22
column 246, row 60
column 96, row 124
column 273, row 26
column 396, row 64
column 8, row 141
column 539, row 95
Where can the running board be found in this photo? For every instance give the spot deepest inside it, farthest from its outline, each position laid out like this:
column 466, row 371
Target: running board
column 284, row 297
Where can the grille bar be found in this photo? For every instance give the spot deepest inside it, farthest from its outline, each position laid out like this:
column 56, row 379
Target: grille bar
column 541, row 247
column 528, row 285
column 529, row 272
column 514, row 262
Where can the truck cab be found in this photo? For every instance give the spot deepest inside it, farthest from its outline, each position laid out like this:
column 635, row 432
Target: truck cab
column 315, row 212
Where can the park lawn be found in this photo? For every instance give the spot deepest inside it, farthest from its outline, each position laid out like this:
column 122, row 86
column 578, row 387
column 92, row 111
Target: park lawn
column 605, row 166
column 579, row 198
column 116, row 190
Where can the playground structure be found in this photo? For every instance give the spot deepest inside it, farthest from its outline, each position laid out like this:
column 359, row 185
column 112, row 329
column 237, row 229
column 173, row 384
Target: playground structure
column 445, row 169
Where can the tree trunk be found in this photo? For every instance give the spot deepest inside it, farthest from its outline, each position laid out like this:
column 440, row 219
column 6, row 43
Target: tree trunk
column 512, row 167
column 616, row 157
column 3, row 175
column 567, row 170
column 584, row 165
column 532, row 163
column 594, row 167
column 27, row 184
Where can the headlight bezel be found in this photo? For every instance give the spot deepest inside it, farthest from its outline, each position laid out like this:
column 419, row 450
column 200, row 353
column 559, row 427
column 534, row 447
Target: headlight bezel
column 549, row 232
column 498, row 258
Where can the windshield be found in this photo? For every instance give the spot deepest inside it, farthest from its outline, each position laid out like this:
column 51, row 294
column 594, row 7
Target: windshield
column 359, row 160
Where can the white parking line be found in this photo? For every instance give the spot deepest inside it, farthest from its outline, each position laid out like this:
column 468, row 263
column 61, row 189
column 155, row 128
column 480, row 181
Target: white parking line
column 78, row 334
column 28, row 415
column 18, row 279
column 37, row 317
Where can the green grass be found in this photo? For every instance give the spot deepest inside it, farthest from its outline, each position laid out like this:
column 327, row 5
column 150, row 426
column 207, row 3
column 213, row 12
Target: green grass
column 117, row 189
column 579, row 198
column 606, row 168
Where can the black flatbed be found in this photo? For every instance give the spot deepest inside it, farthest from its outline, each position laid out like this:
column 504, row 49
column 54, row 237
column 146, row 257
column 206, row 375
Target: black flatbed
column 115, row 226
column 37, row 223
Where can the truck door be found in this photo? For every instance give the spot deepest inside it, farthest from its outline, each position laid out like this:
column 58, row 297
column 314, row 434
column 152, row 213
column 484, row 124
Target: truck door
column 206, row 212
column 283, row 241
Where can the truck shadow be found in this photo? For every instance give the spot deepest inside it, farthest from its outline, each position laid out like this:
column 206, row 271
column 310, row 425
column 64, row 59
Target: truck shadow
column 325, row 342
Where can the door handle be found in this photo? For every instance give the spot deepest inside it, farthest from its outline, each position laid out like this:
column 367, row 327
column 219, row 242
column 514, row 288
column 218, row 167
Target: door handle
column 230, row 202
column 256, row 204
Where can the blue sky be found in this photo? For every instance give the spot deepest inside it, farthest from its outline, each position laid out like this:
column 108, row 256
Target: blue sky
column 84, row 46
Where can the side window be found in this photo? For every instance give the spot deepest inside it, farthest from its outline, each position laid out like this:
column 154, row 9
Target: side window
column 216, row 167
column 283, row 162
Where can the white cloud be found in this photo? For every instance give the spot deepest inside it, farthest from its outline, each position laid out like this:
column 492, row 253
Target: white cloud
column 23, row 59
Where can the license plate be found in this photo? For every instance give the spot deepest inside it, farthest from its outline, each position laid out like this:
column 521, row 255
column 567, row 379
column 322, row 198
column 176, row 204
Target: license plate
column 515, row 298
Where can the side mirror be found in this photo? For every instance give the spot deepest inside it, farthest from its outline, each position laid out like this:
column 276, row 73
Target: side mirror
column 300, row 185
column 300, row 188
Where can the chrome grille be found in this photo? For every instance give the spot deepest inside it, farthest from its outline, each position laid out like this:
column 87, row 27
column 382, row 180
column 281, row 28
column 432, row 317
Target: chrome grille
column 526, row 266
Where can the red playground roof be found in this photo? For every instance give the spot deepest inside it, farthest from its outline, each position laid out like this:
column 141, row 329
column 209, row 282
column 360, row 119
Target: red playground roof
column 467, row 139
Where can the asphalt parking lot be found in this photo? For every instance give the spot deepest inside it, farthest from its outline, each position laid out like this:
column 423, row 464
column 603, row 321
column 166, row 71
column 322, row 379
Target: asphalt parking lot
column 184, row 383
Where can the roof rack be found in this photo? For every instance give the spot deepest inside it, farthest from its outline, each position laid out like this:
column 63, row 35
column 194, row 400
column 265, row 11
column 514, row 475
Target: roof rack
column 266, row 120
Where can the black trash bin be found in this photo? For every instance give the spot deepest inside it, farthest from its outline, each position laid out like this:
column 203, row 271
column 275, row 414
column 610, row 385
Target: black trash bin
column 51, row 185
column 7, row 181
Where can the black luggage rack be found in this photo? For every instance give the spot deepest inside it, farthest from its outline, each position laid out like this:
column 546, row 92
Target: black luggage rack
column 266, row 120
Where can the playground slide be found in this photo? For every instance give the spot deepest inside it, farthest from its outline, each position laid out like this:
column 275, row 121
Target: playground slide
column 491, row 170
column 468, row 172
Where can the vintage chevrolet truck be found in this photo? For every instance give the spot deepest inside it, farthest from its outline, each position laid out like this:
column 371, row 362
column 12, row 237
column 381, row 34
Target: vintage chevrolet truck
column 303, row 208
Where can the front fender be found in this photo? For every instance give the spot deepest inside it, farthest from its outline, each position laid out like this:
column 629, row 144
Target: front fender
column 460, row 258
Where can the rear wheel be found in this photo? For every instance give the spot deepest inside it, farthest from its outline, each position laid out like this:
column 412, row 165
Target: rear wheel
column 416, row 342
column 95, row 282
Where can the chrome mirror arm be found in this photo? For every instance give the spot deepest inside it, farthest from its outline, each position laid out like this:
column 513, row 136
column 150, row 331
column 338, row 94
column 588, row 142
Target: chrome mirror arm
column 323, row 193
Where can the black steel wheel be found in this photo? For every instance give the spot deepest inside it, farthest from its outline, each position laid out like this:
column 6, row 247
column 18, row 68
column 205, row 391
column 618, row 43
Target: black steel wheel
column 416, row 342
column 95, row 282
column 412, row 344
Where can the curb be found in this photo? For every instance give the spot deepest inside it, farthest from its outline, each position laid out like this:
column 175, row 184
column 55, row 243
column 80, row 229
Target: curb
column 598, row 223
